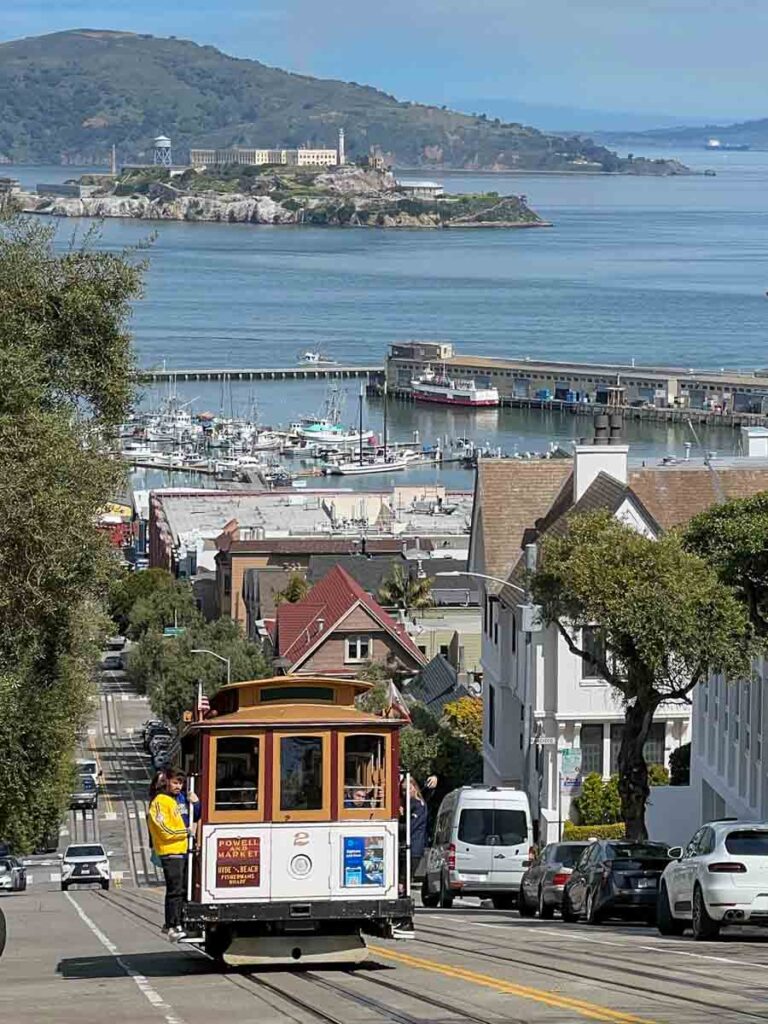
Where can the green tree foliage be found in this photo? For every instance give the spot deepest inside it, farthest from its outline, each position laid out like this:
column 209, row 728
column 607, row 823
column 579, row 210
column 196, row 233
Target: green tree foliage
column 67, row 372
column 128, row 587
column 296, row 589
column 464, row 717
column 165, row 669
column 599, row 802
column 665, row 619
column 406, row 592
column 172, row 604
column 733, row 538
column 680, row 765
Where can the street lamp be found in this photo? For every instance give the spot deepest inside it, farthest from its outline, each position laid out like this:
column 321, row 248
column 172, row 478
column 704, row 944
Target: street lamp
column 482, row 576
column 213, row 654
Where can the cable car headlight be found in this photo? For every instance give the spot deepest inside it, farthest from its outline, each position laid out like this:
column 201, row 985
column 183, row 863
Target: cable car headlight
column 300, row 865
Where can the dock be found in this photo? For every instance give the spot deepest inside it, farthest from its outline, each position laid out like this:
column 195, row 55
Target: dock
column 327, row 371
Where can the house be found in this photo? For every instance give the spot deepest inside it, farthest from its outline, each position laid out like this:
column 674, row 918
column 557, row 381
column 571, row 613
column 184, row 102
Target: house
column 336, row 630
column 543, row 710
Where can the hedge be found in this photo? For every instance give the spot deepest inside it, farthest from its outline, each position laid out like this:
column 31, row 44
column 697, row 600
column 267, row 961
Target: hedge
column 582, row 832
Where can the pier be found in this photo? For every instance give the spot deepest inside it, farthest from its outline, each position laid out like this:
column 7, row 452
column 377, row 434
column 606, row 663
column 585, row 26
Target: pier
column 321, row 371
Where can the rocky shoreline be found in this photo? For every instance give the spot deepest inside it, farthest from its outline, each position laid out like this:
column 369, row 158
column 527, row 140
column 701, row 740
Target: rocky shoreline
column 343, row 197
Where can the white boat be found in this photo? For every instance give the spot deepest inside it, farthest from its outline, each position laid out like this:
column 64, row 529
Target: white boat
column 313, row 357
column 391, row 464
column 324, row 431
column 432, row 387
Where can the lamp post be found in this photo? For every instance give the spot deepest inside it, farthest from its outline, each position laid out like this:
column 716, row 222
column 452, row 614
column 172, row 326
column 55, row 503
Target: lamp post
column 213, row 654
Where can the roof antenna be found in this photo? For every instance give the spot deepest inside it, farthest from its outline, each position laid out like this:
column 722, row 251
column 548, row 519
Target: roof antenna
column 721, row 498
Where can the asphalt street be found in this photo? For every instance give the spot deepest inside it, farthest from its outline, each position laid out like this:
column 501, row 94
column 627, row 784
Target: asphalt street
column 90, row 957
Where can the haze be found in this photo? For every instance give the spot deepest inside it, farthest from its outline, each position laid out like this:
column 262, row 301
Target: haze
column 654, row 62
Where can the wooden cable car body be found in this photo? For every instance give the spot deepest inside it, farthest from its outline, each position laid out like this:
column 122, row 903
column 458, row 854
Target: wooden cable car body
column 297, row 851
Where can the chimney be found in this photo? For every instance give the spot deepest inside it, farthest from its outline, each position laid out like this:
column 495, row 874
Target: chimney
column 606, row 454
column 755, row 442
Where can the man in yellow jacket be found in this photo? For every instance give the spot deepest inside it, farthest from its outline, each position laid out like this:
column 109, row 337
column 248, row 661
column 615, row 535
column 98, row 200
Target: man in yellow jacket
column 170, row 838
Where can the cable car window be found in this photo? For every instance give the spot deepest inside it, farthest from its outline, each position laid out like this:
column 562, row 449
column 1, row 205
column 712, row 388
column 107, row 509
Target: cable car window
column 301, row 773
column 237, row 773
column 364, row 772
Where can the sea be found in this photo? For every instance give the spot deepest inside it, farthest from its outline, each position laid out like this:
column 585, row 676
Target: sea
column 664, row 270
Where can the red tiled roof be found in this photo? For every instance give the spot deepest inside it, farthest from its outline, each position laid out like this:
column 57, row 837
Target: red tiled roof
column 328, row 602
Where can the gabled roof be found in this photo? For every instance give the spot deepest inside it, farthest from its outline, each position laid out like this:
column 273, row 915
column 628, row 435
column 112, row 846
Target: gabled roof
column 305, row 625
column 674, row 494
column 510, row 496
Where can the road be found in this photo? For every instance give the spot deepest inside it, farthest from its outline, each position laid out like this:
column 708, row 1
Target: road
column 87, row 957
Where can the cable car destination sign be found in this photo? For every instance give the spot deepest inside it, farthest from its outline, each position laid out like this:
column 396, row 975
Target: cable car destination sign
column 238, row 861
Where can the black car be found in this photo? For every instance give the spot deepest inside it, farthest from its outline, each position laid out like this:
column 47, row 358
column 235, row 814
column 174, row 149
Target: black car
column 542, row 885
column 614, row 878
column 154, row 730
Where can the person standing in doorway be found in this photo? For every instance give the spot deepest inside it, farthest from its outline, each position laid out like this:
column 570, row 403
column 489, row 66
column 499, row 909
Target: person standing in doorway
column 170, row 837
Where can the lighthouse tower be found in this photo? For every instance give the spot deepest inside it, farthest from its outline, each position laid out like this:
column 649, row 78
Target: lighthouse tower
column 342, row 154
column 162, row 153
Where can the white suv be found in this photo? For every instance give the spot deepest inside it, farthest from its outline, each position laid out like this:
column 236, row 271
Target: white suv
column 83, row 864
column 720, row 878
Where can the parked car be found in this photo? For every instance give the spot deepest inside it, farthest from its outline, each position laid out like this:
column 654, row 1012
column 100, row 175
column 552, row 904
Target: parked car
column 720, row 878
column 116, row 643
column 614, row 878
column 13, row 875
column 154, row 730
column 542, row 885
column 162, row 758
column 113, row 663
column 85, row 796
column 83, row 864
column 481, row 846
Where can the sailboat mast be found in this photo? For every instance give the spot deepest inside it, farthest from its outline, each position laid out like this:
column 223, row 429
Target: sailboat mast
column 386, row 399
column 361, row 424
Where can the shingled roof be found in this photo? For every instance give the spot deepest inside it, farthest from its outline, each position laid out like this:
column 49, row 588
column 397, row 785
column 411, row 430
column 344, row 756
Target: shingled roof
column 510, row 497
column 303, row 626
column 674, row 494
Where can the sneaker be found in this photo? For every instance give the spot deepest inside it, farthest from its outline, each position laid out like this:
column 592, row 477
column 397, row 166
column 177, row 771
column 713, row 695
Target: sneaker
column 164, row 929
column 176, row 934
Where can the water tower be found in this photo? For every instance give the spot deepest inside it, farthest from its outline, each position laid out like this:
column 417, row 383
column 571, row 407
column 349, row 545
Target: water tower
column 162, row 152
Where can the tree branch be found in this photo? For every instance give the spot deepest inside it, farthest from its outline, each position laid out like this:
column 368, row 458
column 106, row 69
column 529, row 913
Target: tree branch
column 599, row 663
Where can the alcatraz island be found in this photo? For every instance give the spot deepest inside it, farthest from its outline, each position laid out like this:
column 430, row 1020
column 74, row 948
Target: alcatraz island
column 343, row 196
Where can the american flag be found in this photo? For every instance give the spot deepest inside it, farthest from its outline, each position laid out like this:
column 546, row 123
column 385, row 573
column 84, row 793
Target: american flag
column 203, row 704
column 397, row 705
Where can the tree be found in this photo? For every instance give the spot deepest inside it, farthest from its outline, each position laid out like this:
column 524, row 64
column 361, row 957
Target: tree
column 662, row 621
column 733, row 538
column 128, row 587
column 406, row 592
column 296, row 589
column 464, row 717
column 168, row 672
column 173, row 604
column 680, row 765
column 67, row 369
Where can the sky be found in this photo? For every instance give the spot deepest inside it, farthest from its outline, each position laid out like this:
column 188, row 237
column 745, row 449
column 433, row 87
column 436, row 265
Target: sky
column 685, row 59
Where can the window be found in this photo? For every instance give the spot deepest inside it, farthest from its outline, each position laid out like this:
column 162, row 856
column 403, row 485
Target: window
column 364, row 772
column 592, row 643
column 748, row 843
column 653, row 750
column 358, row 648
column 237, row 773
column 444, row 650
column 491, row 716
column 591, row 749
column 301, row 773
column 483, row 826
column 567, row 854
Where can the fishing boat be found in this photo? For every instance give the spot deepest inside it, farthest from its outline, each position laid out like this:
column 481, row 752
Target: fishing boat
column 433, row 387
column 313, row 357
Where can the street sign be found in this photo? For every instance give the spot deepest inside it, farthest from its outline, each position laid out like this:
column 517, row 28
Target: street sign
column 545, row 741
column 570, row 768
column 174, row 630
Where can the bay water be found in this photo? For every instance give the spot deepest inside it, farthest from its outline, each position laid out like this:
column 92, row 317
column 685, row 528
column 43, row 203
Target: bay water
column 659, row 270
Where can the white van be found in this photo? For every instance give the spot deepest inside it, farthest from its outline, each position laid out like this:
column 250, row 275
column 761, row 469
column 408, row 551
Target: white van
column 481, row 846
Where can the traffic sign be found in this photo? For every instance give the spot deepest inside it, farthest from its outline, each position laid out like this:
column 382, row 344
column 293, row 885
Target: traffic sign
column 545, row 741
column 174, row 630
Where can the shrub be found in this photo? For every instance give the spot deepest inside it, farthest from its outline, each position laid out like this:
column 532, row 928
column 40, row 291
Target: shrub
column 680, row 766
column 581, row 833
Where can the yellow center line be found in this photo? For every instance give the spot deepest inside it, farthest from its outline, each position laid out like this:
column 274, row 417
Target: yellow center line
column 592, row 1011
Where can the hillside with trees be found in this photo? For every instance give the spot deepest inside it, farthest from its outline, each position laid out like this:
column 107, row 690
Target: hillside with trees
column 69, row 96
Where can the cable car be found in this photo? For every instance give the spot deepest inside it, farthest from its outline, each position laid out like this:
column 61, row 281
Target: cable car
column 297, row 854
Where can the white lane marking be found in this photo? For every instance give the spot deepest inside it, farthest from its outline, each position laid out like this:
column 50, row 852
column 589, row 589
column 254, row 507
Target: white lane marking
column 169, row 1014
column 92, row 732
column 109, row 816
column 63, row 831
column 117, row 876
column 30, row 879
column 55, row 876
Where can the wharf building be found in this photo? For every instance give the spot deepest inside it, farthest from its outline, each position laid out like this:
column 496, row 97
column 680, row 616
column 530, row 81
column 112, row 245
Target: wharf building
column 544, row 709
column 610, row 384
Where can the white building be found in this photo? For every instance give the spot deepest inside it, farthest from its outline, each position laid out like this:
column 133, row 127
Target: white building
column 539, row 698
column 257, row 157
